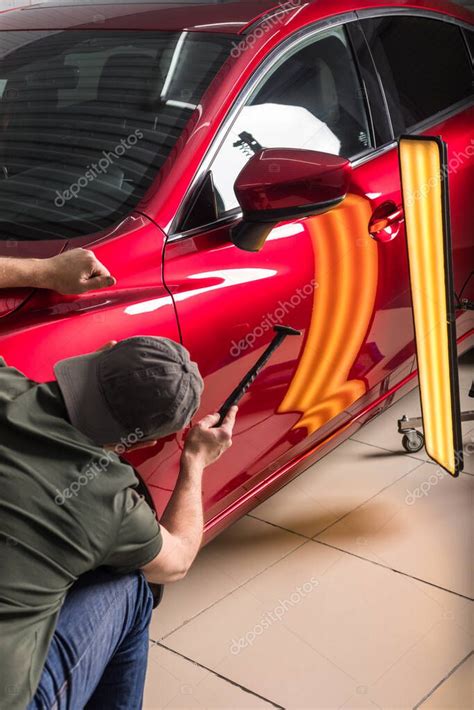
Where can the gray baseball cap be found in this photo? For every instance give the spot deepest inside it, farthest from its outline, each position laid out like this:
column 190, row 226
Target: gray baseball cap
column 143, row 383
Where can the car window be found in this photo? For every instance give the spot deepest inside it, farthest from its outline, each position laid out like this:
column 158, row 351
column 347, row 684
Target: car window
column 88, row 119
column 312, row 100
column 423, row 63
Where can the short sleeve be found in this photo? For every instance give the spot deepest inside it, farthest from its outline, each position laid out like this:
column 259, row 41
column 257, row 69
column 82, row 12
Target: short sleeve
column 138, row 538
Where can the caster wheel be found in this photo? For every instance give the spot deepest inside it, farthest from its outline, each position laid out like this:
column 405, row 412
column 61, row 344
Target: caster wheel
column 413, row 442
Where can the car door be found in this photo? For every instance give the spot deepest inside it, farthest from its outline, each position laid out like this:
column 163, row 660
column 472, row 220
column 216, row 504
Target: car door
column 324, row 275
column 428, row 89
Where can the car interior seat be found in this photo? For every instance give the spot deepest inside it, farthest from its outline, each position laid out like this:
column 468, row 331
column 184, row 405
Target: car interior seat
column 317, row 78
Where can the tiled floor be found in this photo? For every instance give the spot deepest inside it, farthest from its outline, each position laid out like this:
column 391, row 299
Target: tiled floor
column 349, row 588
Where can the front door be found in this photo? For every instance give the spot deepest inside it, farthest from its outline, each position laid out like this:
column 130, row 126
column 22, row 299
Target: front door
column 321, row 275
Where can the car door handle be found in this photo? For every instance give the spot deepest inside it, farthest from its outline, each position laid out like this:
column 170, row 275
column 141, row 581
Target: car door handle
column 386, row 222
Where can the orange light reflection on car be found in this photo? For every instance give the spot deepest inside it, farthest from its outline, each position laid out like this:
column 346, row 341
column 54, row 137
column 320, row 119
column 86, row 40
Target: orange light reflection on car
column 346, row 270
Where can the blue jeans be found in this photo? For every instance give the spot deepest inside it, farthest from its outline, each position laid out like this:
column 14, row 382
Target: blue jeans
column 98, row 655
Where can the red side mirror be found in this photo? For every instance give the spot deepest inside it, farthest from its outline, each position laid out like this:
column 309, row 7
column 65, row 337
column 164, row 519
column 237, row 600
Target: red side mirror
column 280, row 184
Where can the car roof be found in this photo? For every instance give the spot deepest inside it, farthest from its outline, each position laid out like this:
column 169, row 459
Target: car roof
column 228, row 16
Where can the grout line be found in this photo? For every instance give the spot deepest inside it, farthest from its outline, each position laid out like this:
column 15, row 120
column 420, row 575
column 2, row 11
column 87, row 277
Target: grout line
column 218, row 675
column 443, row 680
column 405, row 653
column 280, row 527
column 393, row 569
column 313, row 539
column 349, row 512
column 239, row 586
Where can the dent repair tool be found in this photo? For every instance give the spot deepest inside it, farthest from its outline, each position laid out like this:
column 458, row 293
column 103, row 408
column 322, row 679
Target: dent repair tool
column 282, row 332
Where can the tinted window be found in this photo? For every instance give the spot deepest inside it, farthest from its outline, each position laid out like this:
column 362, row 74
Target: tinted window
column 313, row 100
column 87, row 120
column 423, row 63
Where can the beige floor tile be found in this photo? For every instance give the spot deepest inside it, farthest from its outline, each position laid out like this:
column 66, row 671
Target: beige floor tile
column 421, row 525
column 174, row 682
column 457, row 691
column 321, row 627
column 242, row 551
column 337, row 484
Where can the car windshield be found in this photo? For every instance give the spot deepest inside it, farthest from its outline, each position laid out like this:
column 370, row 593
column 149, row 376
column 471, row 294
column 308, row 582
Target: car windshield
column 88, row 119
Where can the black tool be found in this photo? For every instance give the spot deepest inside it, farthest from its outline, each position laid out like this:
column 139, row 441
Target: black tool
column 282, row 331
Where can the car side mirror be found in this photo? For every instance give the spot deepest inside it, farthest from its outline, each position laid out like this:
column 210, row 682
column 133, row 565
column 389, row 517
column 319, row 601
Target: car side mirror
column 281, row 184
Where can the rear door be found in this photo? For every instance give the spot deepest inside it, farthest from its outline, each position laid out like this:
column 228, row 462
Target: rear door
column 428, row 89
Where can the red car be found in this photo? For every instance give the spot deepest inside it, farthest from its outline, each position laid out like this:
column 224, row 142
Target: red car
column 234, row 165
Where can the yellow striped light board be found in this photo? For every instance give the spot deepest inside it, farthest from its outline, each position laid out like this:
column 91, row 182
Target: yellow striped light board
column 424, row 176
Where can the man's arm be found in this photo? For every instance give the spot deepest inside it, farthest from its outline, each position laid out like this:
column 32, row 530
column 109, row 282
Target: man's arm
column 182, row 521
column 73, row 272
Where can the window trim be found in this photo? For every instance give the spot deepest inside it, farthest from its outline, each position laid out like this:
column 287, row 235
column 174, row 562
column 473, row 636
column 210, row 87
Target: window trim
column 308, row 41
column 285, row 48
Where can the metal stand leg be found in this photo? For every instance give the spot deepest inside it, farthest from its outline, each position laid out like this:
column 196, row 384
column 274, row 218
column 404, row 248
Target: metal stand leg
column 413, row 440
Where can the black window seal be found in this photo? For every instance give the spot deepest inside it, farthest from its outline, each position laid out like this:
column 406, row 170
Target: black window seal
column 366, row 64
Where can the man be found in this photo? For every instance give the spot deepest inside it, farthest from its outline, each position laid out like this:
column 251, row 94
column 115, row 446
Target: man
column 74, row 609
column 71, row 273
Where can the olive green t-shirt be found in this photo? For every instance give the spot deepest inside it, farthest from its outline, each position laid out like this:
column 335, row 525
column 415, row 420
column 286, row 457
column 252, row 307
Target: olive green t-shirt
column 66, row 507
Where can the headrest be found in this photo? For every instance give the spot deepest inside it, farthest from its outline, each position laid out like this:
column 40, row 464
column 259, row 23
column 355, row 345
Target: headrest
column 326, row 100
column 308, row 79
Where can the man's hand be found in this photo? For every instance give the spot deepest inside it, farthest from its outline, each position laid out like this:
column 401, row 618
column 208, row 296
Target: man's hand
column 206, row 444
column 73, row 272
column 70, row 273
